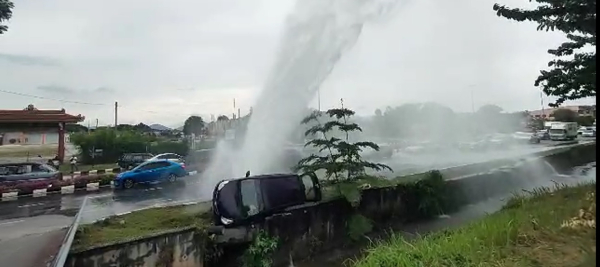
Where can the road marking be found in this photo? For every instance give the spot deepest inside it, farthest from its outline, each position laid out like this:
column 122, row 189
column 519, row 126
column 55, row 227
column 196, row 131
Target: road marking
column 5, row 223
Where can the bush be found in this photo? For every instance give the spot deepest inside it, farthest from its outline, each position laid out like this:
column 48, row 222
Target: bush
column 115, row 143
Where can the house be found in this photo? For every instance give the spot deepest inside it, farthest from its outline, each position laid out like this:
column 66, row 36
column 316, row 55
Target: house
column 31, row 126
column 547, row 112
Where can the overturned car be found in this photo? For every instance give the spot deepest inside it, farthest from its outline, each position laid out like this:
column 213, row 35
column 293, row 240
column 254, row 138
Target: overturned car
column 242, row 202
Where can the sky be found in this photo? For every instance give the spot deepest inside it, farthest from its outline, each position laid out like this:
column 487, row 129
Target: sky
column 163, row 61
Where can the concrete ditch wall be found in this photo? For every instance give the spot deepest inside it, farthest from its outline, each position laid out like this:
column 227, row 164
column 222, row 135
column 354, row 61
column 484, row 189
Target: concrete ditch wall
column 182, row 248
column 322, row 226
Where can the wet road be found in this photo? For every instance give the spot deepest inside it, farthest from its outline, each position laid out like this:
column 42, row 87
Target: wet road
column 196, row 188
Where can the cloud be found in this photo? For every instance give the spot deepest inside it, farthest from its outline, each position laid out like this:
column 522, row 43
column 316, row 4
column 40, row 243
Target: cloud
column 28, row 60
column 164, row 60
column 55, row 89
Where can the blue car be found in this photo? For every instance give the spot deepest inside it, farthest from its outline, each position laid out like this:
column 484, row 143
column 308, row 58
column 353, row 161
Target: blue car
column 150, row 172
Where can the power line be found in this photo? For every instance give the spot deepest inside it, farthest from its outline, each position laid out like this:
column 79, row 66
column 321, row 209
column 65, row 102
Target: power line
column 53, row 99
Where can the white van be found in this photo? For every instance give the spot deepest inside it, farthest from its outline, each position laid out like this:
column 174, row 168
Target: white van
column 563, row 130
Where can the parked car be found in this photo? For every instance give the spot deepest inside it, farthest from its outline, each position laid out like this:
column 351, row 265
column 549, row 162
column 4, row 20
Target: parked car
column 131, row 160
column 543, row 134
column 168, row 156
column 150, row 172
column 241, row 201
column 27, row 171
column 588, row 132
column 531, row 138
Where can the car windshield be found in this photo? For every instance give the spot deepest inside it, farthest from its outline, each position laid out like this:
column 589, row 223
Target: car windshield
column 557, row 131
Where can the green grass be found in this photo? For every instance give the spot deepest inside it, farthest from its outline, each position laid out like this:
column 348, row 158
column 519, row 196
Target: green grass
column 31, row 151
column 538, row 229
column 140, row 224
column 66, row 168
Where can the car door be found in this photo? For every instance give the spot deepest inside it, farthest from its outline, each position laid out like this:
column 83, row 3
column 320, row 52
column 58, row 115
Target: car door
column 162, row 170
column 147, row 173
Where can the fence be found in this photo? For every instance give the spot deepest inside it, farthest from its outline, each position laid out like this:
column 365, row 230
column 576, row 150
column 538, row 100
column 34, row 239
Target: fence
column 65, row 247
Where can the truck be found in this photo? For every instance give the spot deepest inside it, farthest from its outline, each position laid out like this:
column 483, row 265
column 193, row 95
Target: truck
column 563, row 130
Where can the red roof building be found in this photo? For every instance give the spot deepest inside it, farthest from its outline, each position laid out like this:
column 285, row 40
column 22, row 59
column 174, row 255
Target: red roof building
column 31, row 126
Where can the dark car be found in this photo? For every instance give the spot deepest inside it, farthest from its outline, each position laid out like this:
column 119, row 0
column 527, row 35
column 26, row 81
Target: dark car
column 27, row 171
column 241, row 201
column 131, row 160
column 150, row 172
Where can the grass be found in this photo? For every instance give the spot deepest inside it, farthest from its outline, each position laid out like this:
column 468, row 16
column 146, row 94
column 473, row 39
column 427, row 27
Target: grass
column 31, row 151
column 550, row 228
column 66, row 168
column 140, row 224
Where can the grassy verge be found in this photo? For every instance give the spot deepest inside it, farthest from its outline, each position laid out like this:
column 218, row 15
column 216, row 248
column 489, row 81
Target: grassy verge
column 66, row 168
column 31, row 151
column 543, row 228
column 140, row 224
column 155, row 220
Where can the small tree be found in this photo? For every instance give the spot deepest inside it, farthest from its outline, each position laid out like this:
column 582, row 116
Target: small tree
column 193, row 125
column 342, row 159
column 563, row 114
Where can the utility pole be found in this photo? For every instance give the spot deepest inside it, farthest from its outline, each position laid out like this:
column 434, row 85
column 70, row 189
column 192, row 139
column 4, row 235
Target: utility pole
column 116, row 113
column 542, row 103
column 319, row 98
column 96, row 123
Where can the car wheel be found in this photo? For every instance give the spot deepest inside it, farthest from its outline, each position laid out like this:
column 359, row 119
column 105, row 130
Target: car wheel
column 128, row 184
column 172, row 178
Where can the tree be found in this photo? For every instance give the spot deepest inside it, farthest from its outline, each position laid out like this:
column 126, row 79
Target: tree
column 571, row 78
column 222, row 118
column 193, row 125
column 563, row 114
column 341, row 156
column 6, row 7
column 489, row 109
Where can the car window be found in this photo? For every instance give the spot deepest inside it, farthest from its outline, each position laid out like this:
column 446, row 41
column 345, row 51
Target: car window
column 37, row 168
column 137, row 158
column 163, row 164
column 281, row 192
column 4, row 170
column 165, row 156
column 250, row 200
column 148, row 166
column 127, row 157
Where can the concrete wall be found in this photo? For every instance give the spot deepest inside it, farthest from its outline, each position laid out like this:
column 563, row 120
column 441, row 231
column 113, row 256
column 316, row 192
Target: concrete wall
column 29, row 138
column 319, row 227
column 182, row 248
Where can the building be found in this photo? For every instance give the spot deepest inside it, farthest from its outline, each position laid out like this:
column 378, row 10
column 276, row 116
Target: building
column 547, row 112
column 31, row 126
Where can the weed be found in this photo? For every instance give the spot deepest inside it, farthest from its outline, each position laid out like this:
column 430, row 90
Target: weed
column 259, row 253
column 544, row 227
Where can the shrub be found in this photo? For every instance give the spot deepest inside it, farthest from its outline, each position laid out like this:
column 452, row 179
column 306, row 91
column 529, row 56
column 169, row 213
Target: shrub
column 114, row 143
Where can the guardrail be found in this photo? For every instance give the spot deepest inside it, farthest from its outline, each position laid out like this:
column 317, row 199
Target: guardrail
column 65, row 247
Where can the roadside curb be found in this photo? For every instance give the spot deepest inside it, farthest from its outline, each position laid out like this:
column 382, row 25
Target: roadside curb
column 65, row 190
column 103, row 171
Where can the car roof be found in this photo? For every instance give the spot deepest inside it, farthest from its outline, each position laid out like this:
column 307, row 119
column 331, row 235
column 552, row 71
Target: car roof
column 268, row 176
column 19, row 163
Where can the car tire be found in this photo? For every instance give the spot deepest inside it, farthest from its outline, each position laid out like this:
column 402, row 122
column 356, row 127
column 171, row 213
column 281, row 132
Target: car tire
column 172, row 178
column 128, row 183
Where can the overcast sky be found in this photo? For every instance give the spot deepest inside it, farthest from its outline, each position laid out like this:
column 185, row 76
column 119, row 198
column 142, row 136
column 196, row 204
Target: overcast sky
column 165, row 60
